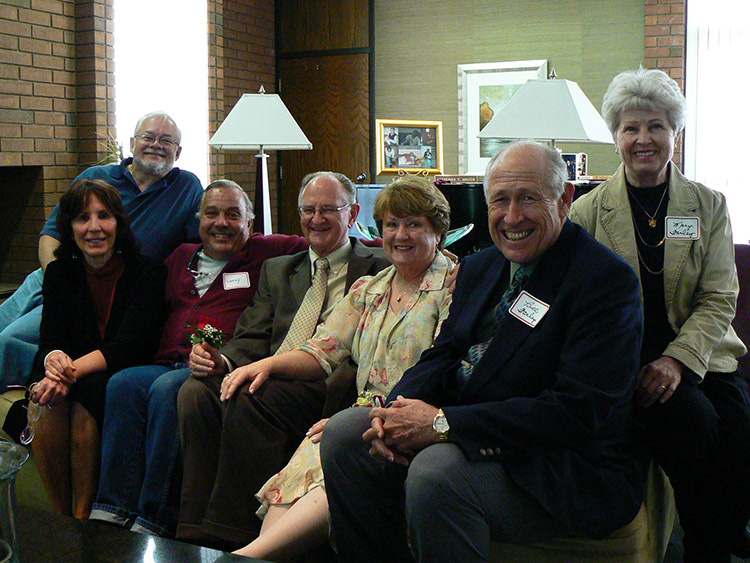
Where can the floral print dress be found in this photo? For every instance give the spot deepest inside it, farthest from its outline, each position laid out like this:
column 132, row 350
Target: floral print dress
column 382, row 343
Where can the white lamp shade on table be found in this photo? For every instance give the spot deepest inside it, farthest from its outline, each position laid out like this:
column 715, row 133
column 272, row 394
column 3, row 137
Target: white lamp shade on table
column 548, row 110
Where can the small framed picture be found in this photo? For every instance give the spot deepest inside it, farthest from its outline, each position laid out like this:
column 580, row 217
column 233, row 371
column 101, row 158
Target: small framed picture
column 409, row 145
column 577, row 166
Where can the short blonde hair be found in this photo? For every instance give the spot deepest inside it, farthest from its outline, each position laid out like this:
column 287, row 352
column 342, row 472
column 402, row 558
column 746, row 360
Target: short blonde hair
column 414, row 196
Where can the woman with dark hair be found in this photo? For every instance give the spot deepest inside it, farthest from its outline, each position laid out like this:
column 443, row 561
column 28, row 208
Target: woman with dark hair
column 692, row 406
column 103, row 310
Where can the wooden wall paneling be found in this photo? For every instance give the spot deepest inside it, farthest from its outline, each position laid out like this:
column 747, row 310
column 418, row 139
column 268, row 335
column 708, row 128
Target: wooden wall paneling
column 320, row 25
column 329, row 98
column 416, row 52
column 241, row 59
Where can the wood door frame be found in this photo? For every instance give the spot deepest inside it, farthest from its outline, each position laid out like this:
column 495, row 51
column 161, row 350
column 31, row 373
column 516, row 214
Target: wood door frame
column 370, row 51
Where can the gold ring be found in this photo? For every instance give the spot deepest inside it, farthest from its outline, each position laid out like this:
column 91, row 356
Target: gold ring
column 663, row 386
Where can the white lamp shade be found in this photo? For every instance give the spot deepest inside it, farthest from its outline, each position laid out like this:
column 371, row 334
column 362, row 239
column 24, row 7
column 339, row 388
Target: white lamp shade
column 260, row 121
column 548, row 110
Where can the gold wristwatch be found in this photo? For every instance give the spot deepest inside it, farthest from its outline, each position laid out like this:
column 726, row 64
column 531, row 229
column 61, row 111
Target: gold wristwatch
column 441, row 426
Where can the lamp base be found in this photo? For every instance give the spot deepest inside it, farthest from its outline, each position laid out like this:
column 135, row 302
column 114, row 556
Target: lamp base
column 262, row 195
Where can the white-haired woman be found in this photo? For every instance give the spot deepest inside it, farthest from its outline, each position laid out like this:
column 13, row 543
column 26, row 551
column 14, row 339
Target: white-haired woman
column 692, row 406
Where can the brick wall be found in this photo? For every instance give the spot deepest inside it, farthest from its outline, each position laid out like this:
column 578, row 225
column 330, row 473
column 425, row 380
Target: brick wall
column 56, row 98
column 241, row 59
column 95, row 79
column 57, row 106
column 665, row 33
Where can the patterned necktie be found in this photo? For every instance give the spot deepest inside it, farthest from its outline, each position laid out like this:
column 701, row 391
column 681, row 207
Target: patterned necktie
column 477, row 350
column 306, row 319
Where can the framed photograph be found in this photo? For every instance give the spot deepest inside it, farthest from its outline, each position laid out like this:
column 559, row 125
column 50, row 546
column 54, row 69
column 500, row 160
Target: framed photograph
column 412, row 146
column 576, row 163
column 483, row 89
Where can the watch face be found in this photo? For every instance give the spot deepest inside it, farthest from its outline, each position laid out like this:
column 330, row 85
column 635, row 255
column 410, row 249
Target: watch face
column 441, row 425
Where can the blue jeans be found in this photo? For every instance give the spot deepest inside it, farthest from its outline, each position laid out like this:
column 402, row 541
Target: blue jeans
column 20, row 317
column 141, row 449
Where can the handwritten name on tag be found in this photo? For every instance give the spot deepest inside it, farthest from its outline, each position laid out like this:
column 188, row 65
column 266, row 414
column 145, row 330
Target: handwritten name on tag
column 237, row 280
column 683, row 228
column 528, row 309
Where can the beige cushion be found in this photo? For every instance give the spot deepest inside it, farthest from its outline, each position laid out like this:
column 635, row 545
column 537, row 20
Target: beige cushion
column 29, row 488
column 6, row 401
column 644, row 540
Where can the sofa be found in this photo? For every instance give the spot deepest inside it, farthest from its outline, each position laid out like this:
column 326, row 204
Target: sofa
column 644, row 540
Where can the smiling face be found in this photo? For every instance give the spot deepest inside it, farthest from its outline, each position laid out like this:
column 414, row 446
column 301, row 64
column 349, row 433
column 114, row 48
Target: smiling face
column 95, row 232
column 410, row 243
column 156, row 158
column 225, row 226
column 645, row 140
column 328, row 232
column 525, row 216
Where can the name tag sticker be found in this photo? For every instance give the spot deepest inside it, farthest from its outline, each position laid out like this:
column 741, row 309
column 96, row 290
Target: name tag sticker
column 528, row 309
column 683, row 228
column 237, row 280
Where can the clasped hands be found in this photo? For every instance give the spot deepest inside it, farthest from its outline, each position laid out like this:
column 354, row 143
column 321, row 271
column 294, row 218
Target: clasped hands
column 401, row 430
column 59, row 375
column 206, row 360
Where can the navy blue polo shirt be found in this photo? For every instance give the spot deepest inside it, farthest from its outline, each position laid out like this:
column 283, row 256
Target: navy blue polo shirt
column 162, row 217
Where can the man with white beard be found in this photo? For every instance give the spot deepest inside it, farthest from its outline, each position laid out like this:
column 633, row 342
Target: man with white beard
column 162, row 202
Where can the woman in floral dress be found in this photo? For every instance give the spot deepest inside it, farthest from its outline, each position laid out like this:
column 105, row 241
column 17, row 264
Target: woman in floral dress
column 384, row 323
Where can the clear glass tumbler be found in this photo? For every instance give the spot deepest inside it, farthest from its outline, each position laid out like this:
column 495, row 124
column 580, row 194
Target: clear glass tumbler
column 12, row 457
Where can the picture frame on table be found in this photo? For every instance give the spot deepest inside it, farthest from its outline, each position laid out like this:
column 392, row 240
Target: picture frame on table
column 483, row 89
column 409, row 145
column 577, row 164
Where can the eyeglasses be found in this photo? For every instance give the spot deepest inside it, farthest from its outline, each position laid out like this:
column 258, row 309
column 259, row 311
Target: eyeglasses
column 308, row 211
column 192, row 267
column 163, row 141
column 33, row 412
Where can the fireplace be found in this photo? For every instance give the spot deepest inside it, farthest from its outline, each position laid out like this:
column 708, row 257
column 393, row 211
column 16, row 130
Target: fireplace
column 21, row 219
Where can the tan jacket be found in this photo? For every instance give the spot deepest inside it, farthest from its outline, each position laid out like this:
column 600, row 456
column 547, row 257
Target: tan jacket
column 700, row 277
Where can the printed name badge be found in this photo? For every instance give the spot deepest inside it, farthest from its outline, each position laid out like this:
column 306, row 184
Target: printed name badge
column 528, row 309
column 683, row 228
column 237, row 280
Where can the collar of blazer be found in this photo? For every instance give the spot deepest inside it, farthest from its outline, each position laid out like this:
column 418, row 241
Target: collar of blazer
column 361, row 261
column 617, row 223
column 543, row 284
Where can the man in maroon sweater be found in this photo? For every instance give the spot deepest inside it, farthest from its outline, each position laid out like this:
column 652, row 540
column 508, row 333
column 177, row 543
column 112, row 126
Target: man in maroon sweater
column 209, row 284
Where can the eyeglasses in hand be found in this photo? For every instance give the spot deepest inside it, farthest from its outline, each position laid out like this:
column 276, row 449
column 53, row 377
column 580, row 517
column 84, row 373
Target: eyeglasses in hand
column 33, row 412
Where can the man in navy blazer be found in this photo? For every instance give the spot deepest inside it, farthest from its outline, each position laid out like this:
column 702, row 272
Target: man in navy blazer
column 530, row 441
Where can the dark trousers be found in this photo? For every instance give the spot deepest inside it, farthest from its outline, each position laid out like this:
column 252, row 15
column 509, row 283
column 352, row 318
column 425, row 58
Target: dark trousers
column 451, row 506
column 231, row 449
column 701, row 438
